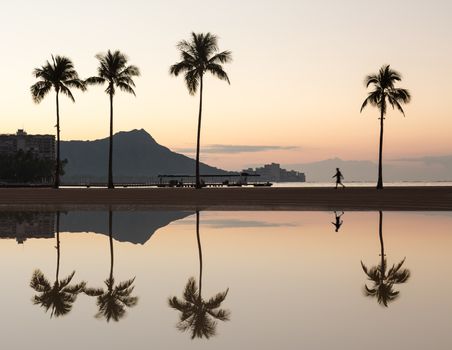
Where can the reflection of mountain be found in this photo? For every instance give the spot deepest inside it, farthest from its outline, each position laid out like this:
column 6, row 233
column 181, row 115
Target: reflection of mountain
column 130, row 226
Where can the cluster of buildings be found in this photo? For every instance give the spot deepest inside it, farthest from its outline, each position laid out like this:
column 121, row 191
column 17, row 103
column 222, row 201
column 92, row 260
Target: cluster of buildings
column 42, row 146
column 274, row 173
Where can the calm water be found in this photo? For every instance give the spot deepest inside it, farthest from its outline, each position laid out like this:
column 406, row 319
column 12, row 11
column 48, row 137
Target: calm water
column 363, row 184
column 269, row 280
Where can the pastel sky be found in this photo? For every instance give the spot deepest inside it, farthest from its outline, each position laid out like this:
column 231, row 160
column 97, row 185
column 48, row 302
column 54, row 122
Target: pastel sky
column 296, row 79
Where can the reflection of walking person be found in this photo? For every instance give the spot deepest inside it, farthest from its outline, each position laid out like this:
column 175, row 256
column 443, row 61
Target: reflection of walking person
column 339, row 178
column 338, row 221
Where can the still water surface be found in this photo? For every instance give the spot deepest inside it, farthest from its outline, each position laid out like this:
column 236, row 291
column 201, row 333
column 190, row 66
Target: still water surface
column 229, row 280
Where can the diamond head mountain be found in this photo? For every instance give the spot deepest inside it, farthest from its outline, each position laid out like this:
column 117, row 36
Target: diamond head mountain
column 136, row 157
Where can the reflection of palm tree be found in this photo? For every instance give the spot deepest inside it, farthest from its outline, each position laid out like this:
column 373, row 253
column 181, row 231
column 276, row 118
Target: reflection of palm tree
column 383, row 280
column 59, row 297
column 198, row 315
column 200, row 56
column 113, row 301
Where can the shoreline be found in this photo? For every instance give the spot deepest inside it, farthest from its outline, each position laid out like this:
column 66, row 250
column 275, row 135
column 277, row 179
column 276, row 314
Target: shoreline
column 419, row 198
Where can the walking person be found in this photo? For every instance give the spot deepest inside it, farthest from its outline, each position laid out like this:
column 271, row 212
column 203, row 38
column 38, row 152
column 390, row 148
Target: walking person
column 339, row 178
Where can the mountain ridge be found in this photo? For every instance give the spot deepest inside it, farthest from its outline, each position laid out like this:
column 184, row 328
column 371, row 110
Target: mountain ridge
column 137, row 156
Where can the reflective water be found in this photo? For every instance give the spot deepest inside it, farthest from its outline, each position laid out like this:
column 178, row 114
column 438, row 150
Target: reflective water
column 226, row 280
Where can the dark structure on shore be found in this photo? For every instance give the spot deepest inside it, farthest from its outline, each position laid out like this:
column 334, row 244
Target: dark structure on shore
column 41, row 146
column 274, row 172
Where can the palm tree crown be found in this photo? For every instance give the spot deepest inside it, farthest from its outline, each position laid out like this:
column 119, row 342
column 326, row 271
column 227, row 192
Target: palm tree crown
column 58, row 74
column 113, row 69
column 384, row 90
column 198, row 56
column 198, row 315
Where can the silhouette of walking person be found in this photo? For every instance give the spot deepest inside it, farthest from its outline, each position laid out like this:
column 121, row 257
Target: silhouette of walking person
column 338, row 221
column 339, row 178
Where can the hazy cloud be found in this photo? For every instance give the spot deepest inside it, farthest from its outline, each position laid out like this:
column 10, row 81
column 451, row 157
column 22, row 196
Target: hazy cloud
column 232, row 149
column 235, row 223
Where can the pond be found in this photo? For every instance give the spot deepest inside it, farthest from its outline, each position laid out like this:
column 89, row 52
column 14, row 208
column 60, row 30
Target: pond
column 226, row 280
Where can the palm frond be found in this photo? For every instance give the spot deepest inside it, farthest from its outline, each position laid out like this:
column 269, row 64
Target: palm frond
column 65, row 91
column 39, row 90
column 95, row 81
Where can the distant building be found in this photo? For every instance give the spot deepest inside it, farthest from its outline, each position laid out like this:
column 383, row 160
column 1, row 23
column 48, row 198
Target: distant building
column 21, row 226
column 274, row 172
column 42, row 146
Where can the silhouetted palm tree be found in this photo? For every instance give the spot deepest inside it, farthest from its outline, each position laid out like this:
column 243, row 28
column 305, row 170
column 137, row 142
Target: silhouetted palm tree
column 385, row 92
column 197, row 314
column 112, row 302
column 382, row 279
column 61, row 296
column 61, row 76
column 114, row 70
column 200, row 55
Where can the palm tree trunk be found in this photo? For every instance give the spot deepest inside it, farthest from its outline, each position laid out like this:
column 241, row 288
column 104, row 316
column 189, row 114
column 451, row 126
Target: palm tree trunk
column 57, row 165
column 110, row 235
column 110, row 152
column 382, row 247
column 198, row 140
column 58, row 245
column 199, row 252
column 380, row 155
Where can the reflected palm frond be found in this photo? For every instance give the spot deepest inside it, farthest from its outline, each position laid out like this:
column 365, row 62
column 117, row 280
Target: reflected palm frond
column 197, row 315
column 58, row 298
column 112, row 302
column 383, row 282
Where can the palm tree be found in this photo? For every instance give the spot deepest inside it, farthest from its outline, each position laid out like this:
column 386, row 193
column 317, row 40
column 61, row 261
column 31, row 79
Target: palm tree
column 384, row 92
column 200, row 55
column 61, row 296
column 197, row 314
column 382, row 279
column 113, row 301
column 61, row 76
column 114, row 70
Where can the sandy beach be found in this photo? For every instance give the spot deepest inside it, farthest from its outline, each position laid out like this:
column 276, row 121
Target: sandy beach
column 392, row 198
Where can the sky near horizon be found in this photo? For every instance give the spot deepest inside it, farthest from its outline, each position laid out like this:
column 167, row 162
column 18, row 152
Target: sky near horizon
column 296, row 78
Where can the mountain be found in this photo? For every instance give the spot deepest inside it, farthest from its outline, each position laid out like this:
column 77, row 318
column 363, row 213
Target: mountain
column 136, row 157
column 432, row 168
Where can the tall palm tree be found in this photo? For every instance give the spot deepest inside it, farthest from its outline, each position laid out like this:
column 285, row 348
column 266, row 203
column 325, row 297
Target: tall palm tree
column 112, row 302
column 385, row 92
column 200, row 55
column 61, row 296
column 382, row 279
column 114, row 70
column 61, row 76
column 197, row 314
